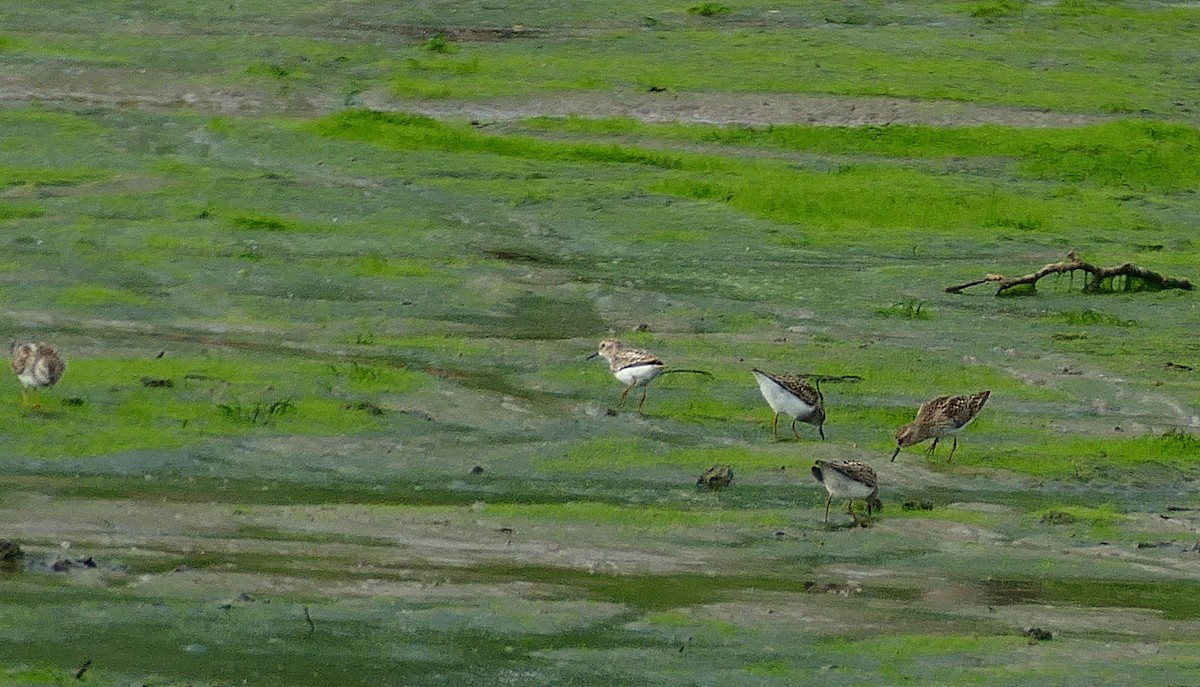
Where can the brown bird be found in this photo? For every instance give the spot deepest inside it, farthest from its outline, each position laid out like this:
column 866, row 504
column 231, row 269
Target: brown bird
column 943, row 416
column 634, row 367
column 848, row 479
column 37, row 365
column 792, row 396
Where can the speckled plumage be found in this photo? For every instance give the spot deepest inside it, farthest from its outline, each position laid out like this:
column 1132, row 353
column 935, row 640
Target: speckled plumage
column 37, row 365
column 850, row 480
column 941, row 417
column 633, row 367
column 793, row 396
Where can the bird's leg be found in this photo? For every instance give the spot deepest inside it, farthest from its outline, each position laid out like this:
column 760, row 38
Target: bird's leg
column 821, row 431
column 794, row 428
column 623, row 395
column 850, row 510
column 775, row 427
column 24, row 397
column 645, row 390
column 953, row 447
column 827, row 502
column 932, row 447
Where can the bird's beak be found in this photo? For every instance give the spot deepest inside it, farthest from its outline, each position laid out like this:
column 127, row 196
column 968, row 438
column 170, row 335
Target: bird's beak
column 895, row 454
column 597, row 353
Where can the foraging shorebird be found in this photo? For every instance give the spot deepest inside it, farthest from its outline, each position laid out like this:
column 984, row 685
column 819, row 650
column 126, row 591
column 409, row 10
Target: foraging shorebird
column 850, row 480
column 943, row 416
column 792, row 396
column 37, row 365
column 634, row 367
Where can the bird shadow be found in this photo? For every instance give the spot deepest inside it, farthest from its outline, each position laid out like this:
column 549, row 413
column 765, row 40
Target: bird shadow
column 863, row 522
column 40, row 413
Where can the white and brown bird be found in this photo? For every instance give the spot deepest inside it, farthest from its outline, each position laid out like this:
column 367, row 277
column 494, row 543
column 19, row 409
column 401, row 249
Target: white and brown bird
column 792, row 396
column 941, row 417
column 38, row 366
column 850, row 480
column 634, row 367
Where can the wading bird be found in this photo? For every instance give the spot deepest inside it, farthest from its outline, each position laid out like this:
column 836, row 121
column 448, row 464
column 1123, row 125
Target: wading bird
column 792, row 396
column 850, row 480
column 37, row 365
column 943, row 416
column 634, row 367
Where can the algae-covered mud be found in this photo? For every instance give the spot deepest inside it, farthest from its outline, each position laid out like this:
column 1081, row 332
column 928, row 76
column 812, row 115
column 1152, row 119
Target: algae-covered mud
column 327, row 277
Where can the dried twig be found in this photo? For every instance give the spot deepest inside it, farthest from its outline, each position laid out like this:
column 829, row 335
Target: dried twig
column 816, row 378
column 1099, row 278
column 312, row 627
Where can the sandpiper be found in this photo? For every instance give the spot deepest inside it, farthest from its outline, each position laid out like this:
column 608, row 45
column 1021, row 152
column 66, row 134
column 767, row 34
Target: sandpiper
column 943, row 416
column 849, row 479
column 634, row 367
column 792, row 396
column 37, row 365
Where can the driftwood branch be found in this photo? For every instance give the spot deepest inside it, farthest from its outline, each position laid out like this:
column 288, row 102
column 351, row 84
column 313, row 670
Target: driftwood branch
column 1096, row 279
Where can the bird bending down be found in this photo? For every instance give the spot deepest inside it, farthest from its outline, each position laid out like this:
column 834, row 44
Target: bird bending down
column 633, row 367
column 850, row 480
column 37, row 365
column 943, row 416
column 792, row 396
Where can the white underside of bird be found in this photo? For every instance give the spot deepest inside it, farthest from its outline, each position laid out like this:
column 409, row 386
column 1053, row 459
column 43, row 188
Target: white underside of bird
column 38, row 375
column 840, row 486
column 781, row 400
column 638, row 375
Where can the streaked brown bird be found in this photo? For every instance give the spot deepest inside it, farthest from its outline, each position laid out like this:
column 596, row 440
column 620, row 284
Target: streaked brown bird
column 941, row 417
column 792, row 396
column 850, row 480
column 38, row 366
column 634, row 367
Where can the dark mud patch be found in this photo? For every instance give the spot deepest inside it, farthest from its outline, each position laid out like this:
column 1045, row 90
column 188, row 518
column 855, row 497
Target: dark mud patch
column 458, row 34
column 533, row 316
column 1176, row 600
column 529, row 256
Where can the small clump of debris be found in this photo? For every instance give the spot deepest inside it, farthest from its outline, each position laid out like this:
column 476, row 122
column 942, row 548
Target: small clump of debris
column 366, row 406
column 241, row 599
column 1037, row 634
column 917, row 505
column 156, row 383
column 716, row 478
column 11, row 555
column 1058, row 517
column 835, row 588
column 69, row 564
